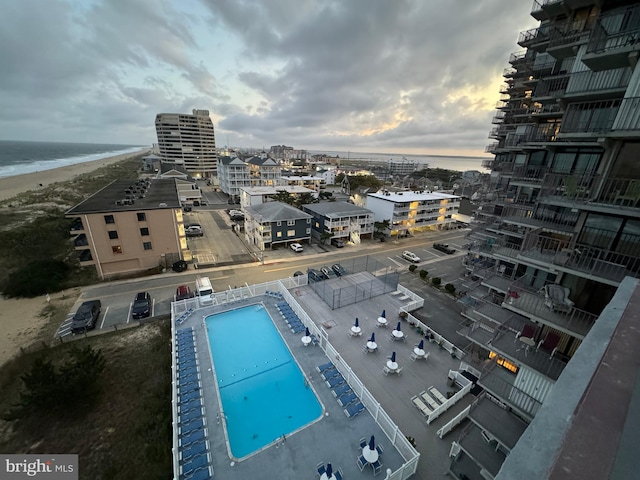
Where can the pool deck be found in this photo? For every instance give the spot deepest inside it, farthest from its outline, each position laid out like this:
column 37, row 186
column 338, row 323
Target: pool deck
column 334, row 438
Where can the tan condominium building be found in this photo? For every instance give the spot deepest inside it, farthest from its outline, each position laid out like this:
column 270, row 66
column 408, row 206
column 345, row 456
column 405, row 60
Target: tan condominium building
column 129, row 226
column 188, row 140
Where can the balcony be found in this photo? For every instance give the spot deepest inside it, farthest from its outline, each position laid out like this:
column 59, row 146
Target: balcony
column 498, row 421
column 567, row 37
column 579, row 259
column 529, row 174
column 531, row 302
column 501, row 383
column 502, row 340
column 483, row 452
column 76, row 225
column 80, row 242
column 615, row 37
column 554, row 86
column 542, row 218
column 535, row 38
column 590, row 117
column 567, row 189
column 86, row 258
column 606, row 83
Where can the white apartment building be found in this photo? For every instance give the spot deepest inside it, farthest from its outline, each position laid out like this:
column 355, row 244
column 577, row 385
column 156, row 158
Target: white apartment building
column 188, row 140
column 411, row 212
column 250, row 196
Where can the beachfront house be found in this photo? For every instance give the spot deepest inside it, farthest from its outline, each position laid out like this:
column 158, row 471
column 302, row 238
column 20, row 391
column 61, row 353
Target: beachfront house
column 130, row 226
column 274, row 224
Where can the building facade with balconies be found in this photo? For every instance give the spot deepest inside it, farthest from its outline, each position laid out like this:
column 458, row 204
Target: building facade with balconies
column 188, row 140
column 548, row 253
column 129, row 226
column 412, row 212
column 276, row 224
column 340, row 220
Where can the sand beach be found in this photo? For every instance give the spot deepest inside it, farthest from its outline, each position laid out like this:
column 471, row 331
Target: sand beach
column 21, row 320
column 12, row 186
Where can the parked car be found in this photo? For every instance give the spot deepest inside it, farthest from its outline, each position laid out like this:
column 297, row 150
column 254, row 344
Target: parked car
column 298, row 273
column 412, row 257
column 338, row 242
column 443, row 247
column 296, row 247
column 339, row 269
column 193, row 231
column 183, row 292
column 141, row 307
column 186, row 209
column 86, row 317
column 314, row 275
column 196, row 203
column 179, row 266
column 327, row 272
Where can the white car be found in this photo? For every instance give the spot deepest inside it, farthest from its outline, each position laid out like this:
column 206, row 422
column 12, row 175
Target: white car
column 296, row 247
column 412, row 257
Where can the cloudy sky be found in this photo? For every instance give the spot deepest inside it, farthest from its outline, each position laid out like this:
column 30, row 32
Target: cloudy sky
column 401, row 76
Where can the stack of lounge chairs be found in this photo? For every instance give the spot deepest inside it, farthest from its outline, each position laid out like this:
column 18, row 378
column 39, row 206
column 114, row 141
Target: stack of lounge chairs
column 292, row 319
column 347, row 399
column 273, row 294
column 184, row 316
column 428, row 401
column 193, row 445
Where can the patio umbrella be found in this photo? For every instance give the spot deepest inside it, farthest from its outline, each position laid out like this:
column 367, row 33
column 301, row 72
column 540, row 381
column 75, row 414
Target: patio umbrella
column 372, row 443
column 373, row 337
column 393, row 357
column 384, row 314
column 306, row 332
column 421, row 345
column 356, row 324
column 329, row 471
column 398, row 327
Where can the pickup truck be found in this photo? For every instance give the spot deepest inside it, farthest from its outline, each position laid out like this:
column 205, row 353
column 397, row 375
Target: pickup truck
column 86, row 317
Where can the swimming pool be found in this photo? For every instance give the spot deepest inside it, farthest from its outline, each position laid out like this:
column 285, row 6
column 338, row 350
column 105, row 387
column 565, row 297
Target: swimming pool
column 263, row 392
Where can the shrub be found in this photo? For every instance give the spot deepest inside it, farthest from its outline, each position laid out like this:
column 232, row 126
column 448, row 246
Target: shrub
column 71, row 387
column 450, row 288
column 37, row 278
column 436, row 281
column 412, row 268
column 423, row 274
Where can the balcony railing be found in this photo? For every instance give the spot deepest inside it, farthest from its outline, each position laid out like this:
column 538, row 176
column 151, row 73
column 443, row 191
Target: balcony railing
column 554, row 86
column 531, row 302
column 589, row 81
column 595, row 116
column 529, row 173
column 581, row 258
column 615, row 30
column 527, row 215
column 573, row 188
column 501, row 383
column 534, row 36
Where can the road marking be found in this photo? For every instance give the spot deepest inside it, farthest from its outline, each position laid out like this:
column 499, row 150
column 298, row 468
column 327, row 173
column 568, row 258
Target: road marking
column 396, row 262
column 104, row 317
column 459, row 247
column 129, row 314
column 431, row 253
column 153, row 305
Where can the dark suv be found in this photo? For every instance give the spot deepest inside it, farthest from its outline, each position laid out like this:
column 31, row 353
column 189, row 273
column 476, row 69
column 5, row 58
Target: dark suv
column 86, row 317
column 141, row 307
column 443, row 247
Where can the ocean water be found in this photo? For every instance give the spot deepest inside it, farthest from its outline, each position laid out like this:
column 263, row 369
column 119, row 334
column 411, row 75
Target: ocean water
column 18, row 158
column 460, row 164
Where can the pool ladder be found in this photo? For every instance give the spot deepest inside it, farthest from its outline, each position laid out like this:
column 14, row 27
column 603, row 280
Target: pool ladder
column 221, row 415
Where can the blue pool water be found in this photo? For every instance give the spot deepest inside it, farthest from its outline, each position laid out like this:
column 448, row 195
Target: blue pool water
column 263, row 391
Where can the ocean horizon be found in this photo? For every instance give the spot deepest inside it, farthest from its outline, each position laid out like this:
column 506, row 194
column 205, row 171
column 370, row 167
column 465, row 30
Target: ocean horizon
column 448, row 162
column 21, row 157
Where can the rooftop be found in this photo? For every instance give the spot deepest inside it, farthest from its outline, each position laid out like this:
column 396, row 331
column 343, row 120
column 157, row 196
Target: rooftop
column 410, row 196
column 275, row 211
column 336, row 209
column 130, row 195
column 273, row 190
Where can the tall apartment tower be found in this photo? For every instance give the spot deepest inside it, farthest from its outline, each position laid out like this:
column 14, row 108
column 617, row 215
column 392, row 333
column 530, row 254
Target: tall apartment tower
column 562, row 230
column 188, row 140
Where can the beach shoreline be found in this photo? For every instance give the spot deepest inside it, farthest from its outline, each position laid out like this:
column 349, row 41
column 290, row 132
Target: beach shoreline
column 17, row 184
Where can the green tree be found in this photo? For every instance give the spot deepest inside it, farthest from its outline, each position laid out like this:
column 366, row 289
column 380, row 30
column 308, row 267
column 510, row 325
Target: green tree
column 284, row 197
column 436, row 281
column 413, row 268
column 450, row 288
column 305, row 199
column 423, row 274
column 324, row 236
column 381, row 227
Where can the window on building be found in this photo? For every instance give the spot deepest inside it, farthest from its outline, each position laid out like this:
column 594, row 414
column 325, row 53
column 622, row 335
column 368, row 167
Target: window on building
column 291, row 223
column 317, row 225
column 142, row 217
column 116, row 249
column 279, row 224
column 308, row 221
column 308, row 231
column 279, row 234
column 144, row 231
column 109, row 219
column 147, row 245
column 113, row 234
column 291, row 233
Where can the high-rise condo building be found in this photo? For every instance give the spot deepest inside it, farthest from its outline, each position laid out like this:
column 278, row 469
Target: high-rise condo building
column 562, row 228
column 188, row 140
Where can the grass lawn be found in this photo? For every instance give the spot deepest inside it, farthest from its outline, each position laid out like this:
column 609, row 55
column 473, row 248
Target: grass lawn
column 127, row 433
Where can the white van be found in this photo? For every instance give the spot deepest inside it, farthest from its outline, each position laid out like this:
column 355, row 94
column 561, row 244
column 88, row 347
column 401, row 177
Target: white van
column 204, row 290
